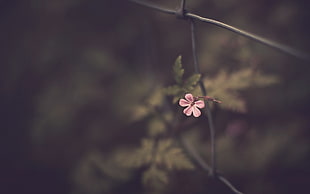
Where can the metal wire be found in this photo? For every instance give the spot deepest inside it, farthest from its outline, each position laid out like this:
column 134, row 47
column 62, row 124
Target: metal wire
column 155, row 7
column 272, row 44
column 187, row 15
column 181, row 13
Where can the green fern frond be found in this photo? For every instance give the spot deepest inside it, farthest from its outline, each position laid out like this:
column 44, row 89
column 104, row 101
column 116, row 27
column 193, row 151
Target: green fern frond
column 191, row 82
column 178, row 70
column 231, row 101
column 226, row 86
column 173, row 90
column 156, row 127
column 261, row 80
column 154, row 177
column 171, row 157
column 162, row 146
column 174, row 158
column 181, row 87
column 134, row 158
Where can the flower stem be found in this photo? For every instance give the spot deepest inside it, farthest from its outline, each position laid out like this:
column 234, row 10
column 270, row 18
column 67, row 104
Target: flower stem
column 208, row 98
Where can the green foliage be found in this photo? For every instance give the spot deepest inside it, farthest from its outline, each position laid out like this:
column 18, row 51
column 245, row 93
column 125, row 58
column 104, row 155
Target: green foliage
column 178, row 70
column 155, row 177
column 173, row 90
column 182, row 86
column 156, row 127
column 143, row 96
column 226, row 86
column 162, row 153
column 97, row 174
column 191, row 82
column 171, row 157
column 135, row 158
column 159, row 156
column 174, row 158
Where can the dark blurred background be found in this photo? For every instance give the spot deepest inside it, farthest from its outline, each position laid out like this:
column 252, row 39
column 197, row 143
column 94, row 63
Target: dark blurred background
column 72, row 72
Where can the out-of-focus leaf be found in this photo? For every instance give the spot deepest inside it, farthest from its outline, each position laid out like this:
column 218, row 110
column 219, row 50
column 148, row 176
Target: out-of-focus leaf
column 192, row 81
column 139, row 112
column 155, row 177
column 179, row 89
column 156, row 127
column 174, row 158
column 98, row 174
column 226, row 86
column 162, row 146
column 156, row 97
column 178, row 70
column 138, row 98
column 173, row 90
column 171, row 156
column 137, row 157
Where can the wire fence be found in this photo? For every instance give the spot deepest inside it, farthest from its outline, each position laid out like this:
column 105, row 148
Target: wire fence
column 182, row 13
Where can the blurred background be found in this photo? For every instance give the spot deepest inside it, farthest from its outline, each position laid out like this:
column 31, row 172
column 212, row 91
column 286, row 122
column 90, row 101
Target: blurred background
column 74, row 73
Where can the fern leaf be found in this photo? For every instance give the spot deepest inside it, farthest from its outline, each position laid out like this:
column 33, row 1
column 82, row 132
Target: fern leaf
column 192, row 81
column 156, row 127
column 226, row 86
column 181, row 87
column 233, row 103
column 174, row 158
column 162, row 146
column 154, row 176
column 134, row 158
column 173, row 90
column 171, row 157
column 178, row 70
column 264, row 80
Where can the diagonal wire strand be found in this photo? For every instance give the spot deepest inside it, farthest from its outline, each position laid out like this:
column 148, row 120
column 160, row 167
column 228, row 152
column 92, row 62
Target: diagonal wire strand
column 155, row 7
column 272, row 44
column 259, row 39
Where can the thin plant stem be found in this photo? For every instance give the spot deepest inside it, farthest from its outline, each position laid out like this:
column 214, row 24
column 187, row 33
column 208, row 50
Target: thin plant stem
column 204, row 92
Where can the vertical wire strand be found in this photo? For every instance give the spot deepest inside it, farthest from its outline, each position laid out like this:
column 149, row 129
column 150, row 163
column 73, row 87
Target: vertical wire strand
column 183, row 4
column 204, row 93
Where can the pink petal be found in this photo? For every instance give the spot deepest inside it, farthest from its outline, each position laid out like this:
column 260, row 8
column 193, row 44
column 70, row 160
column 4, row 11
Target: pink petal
column 196, row 111
column 184, row 103
column 200, row 104
column 189, row 97
column 188, row 111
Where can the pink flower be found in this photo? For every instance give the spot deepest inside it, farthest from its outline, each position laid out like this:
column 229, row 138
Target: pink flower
column 191, row 105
